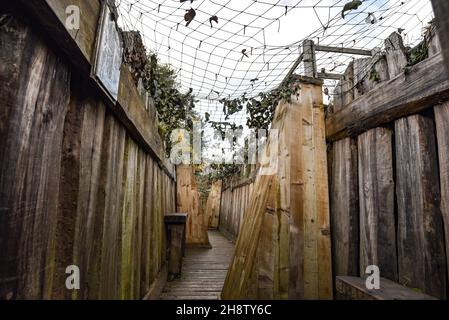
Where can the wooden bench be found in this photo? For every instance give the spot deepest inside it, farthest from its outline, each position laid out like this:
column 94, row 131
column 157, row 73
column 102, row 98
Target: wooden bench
column 354, row 288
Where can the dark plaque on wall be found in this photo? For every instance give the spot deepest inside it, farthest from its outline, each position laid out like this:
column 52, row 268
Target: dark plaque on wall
column 108, row 53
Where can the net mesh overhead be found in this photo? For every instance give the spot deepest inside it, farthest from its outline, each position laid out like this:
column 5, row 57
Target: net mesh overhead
column 208, row 55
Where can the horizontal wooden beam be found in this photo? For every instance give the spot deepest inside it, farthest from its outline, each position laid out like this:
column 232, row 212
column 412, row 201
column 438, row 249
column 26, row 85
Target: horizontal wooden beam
column 424, row 86
column 359, row 52
column 331, row 76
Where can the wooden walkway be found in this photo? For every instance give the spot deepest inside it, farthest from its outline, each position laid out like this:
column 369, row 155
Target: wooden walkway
column 203, row 271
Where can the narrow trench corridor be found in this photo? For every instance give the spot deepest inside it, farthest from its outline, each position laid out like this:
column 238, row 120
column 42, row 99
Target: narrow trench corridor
column 203, row 271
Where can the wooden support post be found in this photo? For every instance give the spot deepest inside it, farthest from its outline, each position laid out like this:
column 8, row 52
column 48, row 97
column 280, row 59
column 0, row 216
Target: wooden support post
column 422, row 262
column 310, row 242
column 175, row 224
column 344, row 208
column 309, row 59
column 441, row 10
column 442, row 126
column 296, row 194
column 376, row 194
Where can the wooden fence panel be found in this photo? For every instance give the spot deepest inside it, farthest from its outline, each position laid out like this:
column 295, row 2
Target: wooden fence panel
column 76, row 188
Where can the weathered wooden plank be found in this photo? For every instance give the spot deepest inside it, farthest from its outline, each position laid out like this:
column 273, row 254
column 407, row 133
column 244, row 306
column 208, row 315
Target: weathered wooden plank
column 33, row 101
column 354, row 288
column 396, row 54
column 422, row 261
column 85, row 37
column 188, row 202
column 442, row 128
column 213, row 205
column 50, row 17
column 344, row 208
column 113, row 153
column 425, row 85
column 205, row 282
column 441, row 10
column 90, row 205
column 347, row 86
column 246, row 247
column 376, row 199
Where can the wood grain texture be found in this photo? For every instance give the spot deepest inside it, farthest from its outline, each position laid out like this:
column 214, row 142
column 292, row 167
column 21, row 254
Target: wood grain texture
column 188, row 200
column 376, row 200
column 354, row 288
column 396, row 54
column 422, row 262
column 234, row 203
column 344, row 208
column 441, row 10
column 283, row 248
column 425, row 85
column 203, row 272
column 442, row 128
column 33, row 102
column 76, row 188
column 212, row 210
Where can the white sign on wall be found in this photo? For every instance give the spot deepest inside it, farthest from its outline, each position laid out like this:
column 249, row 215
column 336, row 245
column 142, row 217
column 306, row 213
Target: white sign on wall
column 109, row 54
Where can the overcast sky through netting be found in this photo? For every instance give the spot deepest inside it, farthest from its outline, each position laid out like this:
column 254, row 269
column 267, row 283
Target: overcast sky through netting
column 210, row 61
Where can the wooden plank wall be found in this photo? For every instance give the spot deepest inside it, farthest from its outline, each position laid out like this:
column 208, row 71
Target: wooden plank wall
column 234, row 203
column 283, row 247
column 188, row 201
column 76, row 188
column 213, row 205
column 396, row 219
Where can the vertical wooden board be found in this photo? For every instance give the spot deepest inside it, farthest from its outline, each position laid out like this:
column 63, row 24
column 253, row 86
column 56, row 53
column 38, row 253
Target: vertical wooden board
column 156, row 216
column 139, row 227
column 347, row 85
column 147, row 267
column 31, row 125
column 422, row 261
column 303, row 198
column 396, row 54
column 442, row 127
column 111, row 253
column 128, row 220
column 323, row 232
column 361, row 74
column 337, row 97
column 344, row 208
column 89, row 216
column 376, row 201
